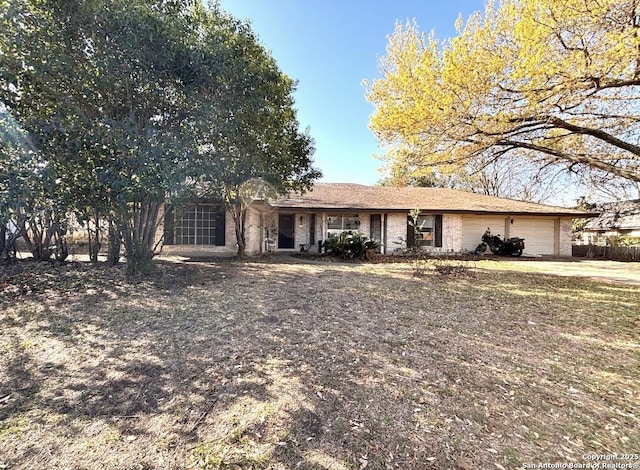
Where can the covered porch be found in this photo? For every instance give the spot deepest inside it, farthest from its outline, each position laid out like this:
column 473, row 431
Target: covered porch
column 306, row 231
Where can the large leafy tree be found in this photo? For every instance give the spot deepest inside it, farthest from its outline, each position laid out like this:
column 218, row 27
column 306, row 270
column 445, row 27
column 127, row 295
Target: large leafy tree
column 97, row 85
column 256, row 149
column 555, row 82
column 131, row 102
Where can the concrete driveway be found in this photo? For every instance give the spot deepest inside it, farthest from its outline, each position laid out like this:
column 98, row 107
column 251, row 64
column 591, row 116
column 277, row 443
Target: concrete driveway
column 608, row 271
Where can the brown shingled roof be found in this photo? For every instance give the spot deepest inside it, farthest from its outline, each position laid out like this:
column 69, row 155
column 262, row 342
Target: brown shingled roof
column 622, row 215
column 348, row 196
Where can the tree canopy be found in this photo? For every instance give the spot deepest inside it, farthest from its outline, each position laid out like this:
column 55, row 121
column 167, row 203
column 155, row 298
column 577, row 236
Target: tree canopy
column 555, row 82
column 130, row 103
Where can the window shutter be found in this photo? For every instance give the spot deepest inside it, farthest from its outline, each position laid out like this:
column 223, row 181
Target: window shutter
column 438, row 230
column 312, row 230
column 221, row 227
column 168, row 224
column 410, row 233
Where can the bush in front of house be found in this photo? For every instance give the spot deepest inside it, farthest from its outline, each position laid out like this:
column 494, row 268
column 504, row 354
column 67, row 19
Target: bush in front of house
column 350, row 245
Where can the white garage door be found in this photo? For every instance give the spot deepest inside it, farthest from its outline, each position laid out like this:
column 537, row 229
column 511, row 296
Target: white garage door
column 473, row 227
column 539, row 234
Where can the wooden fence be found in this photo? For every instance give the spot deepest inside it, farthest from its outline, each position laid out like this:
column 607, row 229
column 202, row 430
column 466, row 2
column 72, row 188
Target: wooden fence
column 619, row 253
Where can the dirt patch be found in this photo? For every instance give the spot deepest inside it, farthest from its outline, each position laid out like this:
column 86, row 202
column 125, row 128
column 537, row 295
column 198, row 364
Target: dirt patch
column 278, row 365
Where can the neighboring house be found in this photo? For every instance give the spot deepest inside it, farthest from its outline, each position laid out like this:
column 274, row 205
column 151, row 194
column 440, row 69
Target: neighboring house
column 615, row 220
column 450, row 221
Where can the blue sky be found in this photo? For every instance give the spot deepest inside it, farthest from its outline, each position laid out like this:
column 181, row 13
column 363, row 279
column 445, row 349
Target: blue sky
column 330, row 47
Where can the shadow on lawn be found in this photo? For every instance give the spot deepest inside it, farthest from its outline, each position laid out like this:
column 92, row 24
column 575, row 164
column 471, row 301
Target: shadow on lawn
column 278, row 366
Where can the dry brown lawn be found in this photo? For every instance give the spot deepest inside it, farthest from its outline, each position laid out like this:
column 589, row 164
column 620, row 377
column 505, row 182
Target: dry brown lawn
column 278, row 364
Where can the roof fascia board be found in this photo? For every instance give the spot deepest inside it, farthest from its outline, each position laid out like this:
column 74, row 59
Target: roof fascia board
column 435, row 211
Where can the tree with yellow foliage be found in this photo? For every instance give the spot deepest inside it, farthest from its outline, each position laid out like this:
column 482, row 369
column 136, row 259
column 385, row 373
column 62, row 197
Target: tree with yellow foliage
column 555, row 81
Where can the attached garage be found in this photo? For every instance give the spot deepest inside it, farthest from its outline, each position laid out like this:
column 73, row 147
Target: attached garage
column 474, row 226
column 539, row 234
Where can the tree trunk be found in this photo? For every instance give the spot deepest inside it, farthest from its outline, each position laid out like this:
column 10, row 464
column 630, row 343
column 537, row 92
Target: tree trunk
column 239, row 215
column 4, row 256
column 44, row 234
column 95, row 243
column 8, row 240
column 55, row 240
column 32, row 238
column 113, row 252
column 59, row 248
column 140, row 222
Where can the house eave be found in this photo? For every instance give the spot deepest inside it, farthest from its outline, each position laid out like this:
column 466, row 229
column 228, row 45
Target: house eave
column 261, row 205
column 307, row 209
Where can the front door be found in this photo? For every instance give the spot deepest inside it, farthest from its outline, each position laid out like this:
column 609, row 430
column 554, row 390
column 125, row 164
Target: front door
column 286, row 224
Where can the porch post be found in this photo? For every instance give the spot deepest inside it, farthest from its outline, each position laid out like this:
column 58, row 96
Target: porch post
column 383, row 247
column 323, row 229
column 261, row 229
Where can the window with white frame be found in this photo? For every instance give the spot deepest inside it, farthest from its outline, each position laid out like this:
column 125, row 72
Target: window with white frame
column 338, row 223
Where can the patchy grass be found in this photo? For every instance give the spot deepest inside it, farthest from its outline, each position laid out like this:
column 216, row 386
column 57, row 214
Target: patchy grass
column 276, row 365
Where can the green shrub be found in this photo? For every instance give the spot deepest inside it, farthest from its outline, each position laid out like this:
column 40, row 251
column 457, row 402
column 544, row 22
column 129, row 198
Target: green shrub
column 350, row 245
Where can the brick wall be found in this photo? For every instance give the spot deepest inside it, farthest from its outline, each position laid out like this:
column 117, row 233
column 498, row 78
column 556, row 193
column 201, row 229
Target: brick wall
column 451, row 233
column 396, row 232
column 566, row 236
